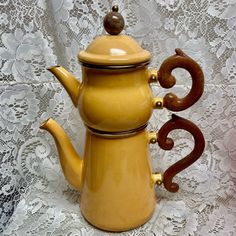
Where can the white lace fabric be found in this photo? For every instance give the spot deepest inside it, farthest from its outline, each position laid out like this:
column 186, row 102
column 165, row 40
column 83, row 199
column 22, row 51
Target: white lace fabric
column 34, row 34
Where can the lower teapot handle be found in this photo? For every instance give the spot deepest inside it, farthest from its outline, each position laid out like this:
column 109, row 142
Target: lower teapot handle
column 167, row 144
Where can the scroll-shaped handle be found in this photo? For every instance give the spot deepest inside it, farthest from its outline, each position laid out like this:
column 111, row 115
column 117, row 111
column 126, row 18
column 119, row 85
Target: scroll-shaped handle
column 167, row 143
column 166, row 80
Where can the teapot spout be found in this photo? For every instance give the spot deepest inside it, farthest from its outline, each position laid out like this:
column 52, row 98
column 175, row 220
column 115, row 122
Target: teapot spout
column 70, row 161
column 68, row 81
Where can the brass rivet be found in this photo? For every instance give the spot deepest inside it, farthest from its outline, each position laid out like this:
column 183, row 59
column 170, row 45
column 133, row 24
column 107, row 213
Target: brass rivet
column 153, row 78
column 153, row 140
column 159, row 182
column 159, row 104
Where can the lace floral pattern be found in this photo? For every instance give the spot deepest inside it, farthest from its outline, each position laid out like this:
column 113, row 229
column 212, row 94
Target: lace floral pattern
column 34, row 34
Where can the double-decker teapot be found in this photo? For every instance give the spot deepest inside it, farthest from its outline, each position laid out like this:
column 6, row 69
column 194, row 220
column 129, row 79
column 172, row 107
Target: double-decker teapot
column 115, row 101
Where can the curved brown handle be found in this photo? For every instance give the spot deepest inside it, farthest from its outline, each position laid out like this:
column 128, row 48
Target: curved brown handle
column 166, row 80
column 166, row 143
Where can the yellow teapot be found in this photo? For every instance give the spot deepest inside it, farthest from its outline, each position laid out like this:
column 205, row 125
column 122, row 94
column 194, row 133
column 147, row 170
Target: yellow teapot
column 115, row 101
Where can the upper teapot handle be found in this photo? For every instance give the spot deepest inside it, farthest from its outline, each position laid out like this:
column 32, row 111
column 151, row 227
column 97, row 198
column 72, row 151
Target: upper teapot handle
column 166, row 80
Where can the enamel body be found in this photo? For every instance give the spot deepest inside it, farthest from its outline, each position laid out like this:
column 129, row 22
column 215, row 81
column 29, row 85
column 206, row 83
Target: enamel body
column 115, row 100
column 117, row 189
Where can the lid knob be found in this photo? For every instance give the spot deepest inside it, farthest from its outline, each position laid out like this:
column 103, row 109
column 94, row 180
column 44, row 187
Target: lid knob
column 114, row 21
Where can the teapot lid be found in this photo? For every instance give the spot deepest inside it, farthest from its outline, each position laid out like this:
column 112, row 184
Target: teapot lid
column 114, row 50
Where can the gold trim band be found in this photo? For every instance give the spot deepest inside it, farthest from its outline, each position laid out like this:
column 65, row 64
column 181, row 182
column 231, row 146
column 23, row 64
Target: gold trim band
column 117, row 134
column 109, row 67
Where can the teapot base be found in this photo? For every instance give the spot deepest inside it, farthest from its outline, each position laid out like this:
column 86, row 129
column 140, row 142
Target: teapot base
column 120, row 228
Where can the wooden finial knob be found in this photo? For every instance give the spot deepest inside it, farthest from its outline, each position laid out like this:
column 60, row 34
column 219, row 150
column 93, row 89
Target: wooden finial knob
column 114, row 21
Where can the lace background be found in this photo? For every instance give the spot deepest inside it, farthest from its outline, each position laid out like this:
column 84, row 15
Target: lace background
column 34, row 34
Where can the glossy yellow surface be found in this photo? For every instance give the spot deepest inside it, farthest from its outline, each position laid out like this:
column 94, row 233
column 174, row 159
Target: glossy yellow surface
column 69, row 82
column 114, row 50
column 70, row 161
column 117, row 191
column 110, row 100
column 115, row 100
column 115, row 177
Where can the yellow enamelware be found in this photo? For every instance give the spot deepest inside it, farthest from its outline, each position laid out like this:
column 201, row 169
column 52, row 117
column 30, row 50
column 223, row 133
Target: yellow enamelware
column 115, row 101
column 110, row 100
column 115, row 177
column 118, row 189
column 114, row 50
